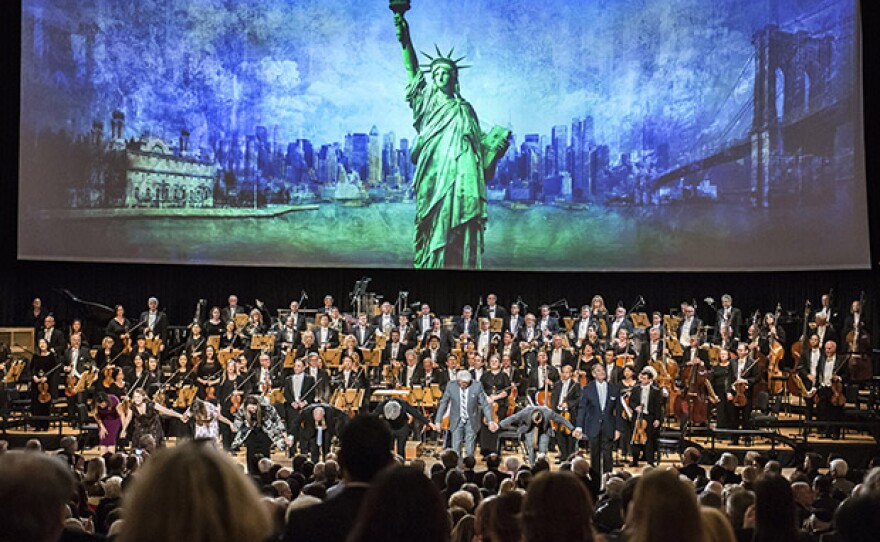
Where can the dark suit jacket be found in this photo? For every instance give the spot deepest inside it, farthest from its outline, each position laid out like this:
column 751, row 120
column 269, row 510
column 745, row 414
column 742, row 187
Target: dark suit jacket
column 440, row 357
column 227, row 313
column 300, row 322
column 160, row 328
column 566, row 357
column 625, row 324
column 500, row 312
column 307, row 391
column 409, row 337
column 734, row 321
column 377, row 322
column 56, row 341
column 751, row 374
column 437, row 377
column 591, row 418
column 520, row 323
column 386, row 354
column 572, row 400
column 332, row 337
column 552, row 374
column 447, row 340
column 471, row 327
column 334, row 418
column 369, row 336
column 655, row 402
column 330, row 521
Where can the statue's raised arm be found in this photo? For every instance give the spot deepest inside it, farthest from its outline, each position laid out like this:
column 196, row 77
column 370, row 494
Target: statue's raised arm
column 410, row 60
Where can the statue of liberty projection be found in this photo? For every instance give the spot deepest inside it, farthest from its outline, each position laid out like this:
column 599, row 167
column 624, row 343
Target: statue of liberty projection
column 453, row 159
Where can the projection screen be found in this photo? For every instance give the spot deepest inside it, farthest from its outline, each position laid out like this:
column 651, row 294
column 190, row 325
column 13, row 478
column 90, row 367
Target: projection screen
column 556, row 135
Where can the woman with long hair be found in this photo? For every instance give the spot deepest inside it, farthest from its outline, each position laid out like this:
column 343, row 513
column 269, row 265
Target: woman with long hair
column 557, row 507
column 402, row 504
column 108, row 413
column 775, row 518
column 257, row 426
column 193, row 492
column 664, row 508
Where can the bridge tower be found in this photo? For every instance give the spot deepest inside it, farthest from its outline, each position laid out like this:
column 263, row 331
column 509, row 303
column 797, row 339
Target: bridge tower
column 792, row 80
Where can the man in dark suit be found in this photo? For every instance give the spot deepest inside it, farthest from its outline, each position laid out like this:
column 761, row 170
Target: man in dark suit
column 833, row 367
column 514, row 322
column 690, row 325
column 228, row 312
column 424, row 320
column 584, row 323
column 559, row 356
column 394, row 350
column 486, row 340
column 409, row 335
column 728, row 315
column 76, row 360
column 542, row 376
column 491, row 309
column 434, row 351
column 620, row 321
column 317, row 426
column 386, row 319
column 364, row 451
column 447, row 341
column 465, row 327
column 651, row 350
column 299, row 319
column 325, row 336
column 426, row 374
column 690, row 464
column 154, row 320
column 54, row 337
column 564, row 399
column 743, row 370
column 363, row 332
column 646, row 400
column 299, row 392
column 599, row 418
column 549, row 325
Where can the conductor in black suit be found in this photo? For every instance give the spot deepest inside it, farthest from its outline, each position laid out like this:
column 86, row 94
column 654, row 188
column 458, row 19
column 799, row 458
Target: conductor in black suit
column 364, row 451
column 318, row 425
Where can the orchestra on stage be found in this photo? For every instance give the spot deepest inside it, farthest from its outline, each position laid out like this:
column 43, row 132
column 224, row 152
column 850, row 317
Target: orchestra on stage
column 606, row 380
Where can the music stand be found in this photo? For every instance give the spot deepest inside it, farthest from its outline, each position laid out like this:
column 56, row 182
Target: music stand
column 213, row 340
column 640, row 320
column 223, row 356
column 258, row 342
column 331, row 357
column 495, row 325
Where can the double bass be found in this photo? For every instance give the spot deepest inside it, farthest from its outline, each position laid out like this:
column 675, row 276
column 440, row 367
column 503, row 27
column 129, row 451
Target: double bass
column 793, row 383
column 777, row 352
column 858, row 344
column 697, row 394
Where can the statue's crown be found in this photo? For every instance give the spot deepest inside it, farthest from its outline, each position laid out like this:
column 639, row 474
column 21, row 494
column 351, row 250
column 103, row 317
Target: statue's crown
column 443, row 60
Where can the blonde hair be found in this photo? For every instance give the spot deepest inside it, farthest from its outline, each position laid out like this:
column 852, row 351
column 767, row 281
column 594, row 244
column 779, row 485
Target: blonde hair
column 660, row 495
column 192, row 492
column 716, row 526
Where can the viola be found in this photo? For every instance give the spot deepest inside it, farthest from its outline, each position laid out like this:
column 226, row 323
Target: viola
column 739, row 398
column 43, row 396
column 640, row 430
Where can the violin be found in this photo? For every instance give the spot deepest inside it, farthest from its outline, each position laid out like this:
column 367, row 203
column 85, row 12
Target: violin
column 640, row 430
column 234, row 402
column 108, row 376
column 210, row 392
column 70, row 385
column 838, row 399
column 511, row 401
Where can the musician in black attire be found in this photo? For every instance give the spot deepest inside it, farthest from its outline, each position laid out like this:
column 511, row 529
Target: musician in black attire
column 721, row 385
column 77, row 360
column 299, row 392
column 318, row 425
column 833, row 369
column 196, row 343
column 426, row 374
column 209, row 374
column 307, row 345
column 728, row 315
column 155, row 320
column 233, row 339
column 564, row 400
column 395, row 412
column 647, row 399
column 137, row 375
column 315, row 369
column 54, row 337
column 287, row 337
column 497, row 386
column 182, row 376
column 42, row 362
column 117, row 329
column 743, row 369
column 394, row 349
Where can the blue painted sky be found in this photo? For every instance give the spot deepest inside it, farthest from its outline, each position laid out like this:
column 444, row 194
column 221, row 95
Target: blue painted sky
column 321, row 69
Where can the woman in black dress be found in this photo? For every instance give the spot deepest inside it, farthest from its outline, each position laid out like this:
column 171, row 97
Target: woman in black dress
column 182, row 376
column 42, row 362
column 117, row 329
column 214, row 324
column 209, row 374
column 138, row 376
column 142, row 417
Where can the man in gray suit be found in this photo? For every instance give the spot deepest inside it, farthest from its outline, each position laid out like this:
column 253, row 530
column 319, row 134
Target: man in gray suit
column 467, row 402
column 533, row 424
